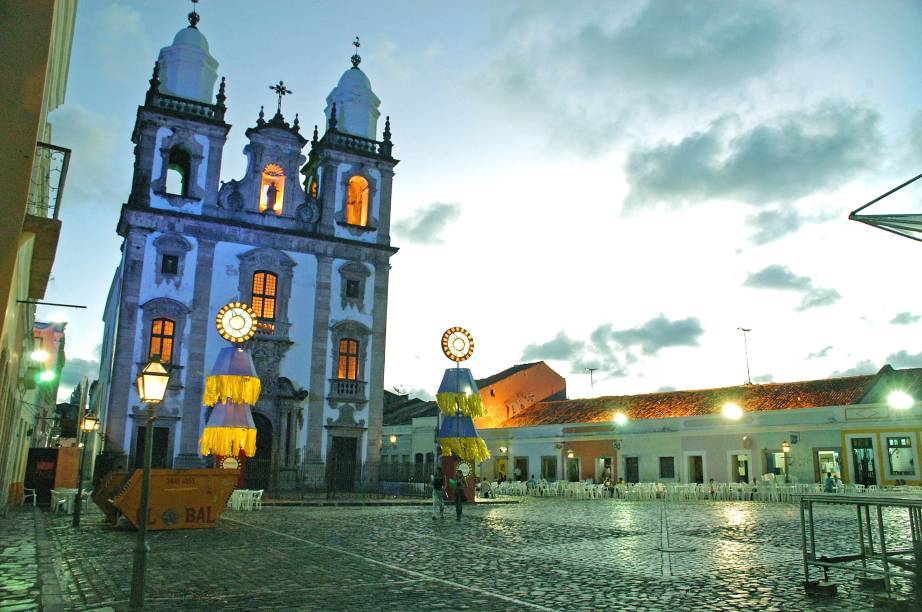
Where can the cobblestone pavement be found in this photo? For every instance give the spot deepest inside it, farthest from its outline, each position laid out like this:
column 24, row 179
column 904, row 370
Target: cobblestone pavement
column 20, row 588
column 540, row 554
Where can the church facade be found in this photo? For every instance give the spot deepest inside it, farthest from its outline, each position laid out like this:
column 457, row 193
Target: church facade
column 303, row 237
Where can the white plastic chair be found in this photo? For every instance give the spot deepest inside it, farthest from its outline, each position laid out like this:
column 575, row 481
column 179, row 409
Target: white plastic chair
column 27, row 493
column 256, row 500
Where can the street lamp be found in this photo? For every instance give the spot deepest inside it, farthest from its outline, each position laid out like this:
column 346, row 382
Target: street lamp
column 620, row 418
column 90, row 424
column 786, row 449
column 732, row 411
column 152, row 382
column 900, row 400
column 393, row 439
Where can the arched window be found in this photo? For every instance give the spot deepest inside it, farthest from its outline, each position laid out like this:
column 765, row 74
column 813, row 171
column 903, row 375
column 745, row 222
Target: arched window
column 161, row 339
column 357, row 204
column 177, row 172
column 348, row 359
column 265, row 287
column 272, row 190
column 314, row 187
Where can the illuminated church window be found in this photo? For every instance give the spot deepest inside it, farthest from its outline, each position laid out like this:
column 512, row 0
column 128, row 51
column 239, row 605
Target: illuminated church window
column 265, row 285
column 314, row 187
column 177, row 172
column 348, row 359
column 272, row 190
column 161, row 339
column 357, row 203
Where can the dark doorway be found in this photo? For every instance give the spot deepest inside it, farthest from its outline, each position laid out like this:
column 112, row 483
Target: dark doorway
column 342, row 463
column 259, row 467
column 40, row 470
column 863, row 458
column 573, row 469
column 161, row 456
column 632, row 469
column 521, row 469
column 696, row 469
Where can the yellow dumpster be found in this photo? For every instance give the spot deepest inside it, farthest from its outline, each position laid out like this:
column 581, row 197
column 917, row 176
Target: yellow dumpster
column 179, row 499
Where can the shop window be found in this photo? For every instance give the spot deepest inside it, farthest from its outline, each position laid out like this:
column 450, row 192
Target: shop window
column 348, row 359
column 357, row 203
column 272, row 190
column 899, row 450
column 161, row 339
column 265, row 286
column 178, row 172
column 667, row 467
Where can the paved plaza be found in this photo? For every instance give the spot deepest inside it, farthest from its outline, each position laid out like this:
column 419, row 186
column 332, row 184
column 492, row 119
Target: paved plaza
column 538, row 554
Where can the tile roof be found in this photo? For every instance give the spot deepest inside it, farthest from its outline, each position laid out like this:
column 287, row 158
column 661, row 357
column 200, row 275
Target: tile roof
column 404, row 414
column 752, row 398
column 489, row 380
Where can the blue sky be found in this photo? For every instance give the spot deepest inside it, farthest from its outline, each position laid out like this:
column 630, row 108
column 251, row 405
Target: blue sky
column 610, row 185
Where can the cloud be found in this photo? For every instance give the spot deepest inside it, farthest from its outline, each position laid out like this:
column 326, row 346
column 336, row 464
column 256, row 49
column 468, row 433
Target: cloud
column 413, row 392
column 821, row 353
column 659, row 332
column 92, row 138
column 780, row 277
column 582, row 74
column 763, row 378
column 560, row 348
column 904, row 359
column 770, row 225
column 121, row 43
column 905, row 318
column 863, row 367
column 793, row 156
column 665, row 389
column 426, row 224
column 608, row 350
column 777, row 276
column 76, row 368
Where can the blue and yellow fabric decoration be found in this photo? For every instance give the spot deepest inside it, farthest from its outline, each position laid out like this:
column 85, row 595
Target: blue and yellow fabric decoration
column 458, row 394
column 230, row 430
column 233, row 378
column 457, row 436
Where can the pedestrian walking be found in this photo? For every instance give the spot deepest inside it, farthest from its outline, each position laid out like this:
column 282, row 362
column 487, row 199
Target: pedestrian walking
column 458, row 485
column 438, row 494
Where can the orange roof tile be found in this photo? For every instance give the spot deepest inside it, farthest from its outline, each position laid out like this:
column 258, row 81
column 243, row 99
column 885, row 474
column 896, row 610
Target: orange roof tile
column 752, row 398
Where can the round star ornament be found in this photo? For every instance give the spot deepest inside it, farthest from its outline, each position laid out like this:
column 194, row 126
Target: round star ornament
column 236, row 322
column 457, row 344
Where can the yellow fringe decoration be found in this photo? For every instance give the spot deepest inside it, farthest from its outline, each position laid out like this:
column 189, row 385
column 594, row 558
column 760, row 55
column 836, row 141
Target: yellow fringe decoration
column 470, row 405
column 228, row 441
column 237, row 389
column 470, row 450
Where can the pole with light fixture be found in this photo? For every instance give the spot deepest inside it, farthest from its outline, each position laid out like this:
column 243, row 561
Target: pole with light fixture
column 786, row 450
column 88, row 424
column 152, row 382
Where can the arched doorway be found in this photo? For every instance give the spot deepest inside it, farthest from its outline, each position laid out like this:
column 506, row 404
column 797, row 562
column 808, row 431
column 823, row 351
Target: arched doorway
column 259, row 468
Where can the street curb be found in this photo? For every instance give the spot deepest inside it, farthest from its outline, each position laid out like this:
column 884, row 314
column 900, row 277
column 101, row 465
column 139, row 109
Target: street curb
column 320, row 503
column 51, row 593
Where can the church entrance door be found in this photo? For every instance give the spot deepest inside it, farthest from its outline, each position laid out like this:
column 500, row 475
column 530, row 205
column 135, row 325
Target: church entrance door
column 342, row 462
column 259, row 468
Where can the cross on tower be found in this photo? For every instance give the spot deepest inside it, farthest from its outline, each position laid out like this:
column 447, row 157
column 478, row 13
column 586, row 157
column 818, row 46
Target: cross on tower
column 356, row 58
column 280, row 90
column 193, row 16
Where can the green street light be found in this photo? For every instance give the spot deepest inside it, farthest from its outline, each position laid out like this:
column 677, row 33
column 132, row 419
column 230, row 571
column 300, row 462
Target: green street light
column 46, row 376
column 900, row 400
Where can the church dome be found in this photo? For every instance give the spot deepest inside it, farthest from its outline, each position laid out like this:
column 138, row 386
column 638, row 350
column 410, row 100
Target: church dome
column 356, row 104
column 187, row 69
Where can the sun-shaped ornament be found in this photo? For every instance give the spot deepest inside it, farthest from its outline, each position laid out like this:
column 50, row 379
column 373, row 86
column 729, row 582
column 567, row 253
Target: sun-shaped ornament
column 457, row 344
column 236, row 322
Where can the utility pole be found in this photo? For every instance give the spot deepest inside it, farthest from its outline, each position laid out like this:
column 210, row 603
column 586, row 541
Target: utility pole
column 591, row 382
column 745, row 331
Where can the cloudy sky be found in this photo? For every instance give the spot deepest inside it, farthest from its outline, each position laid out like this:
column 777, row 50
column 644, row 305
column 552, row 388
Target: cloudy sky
column 610, row 185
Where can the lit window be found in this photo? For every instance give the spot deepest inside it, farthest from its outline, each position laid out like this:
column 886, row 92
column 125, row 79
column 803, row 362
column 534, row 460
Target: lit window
column 357, row 204
column 177, row 172
column 265, row 285
column 900, row 452
column 272, row 190
column 161, row 339
column 315, row 188
column 348, row 359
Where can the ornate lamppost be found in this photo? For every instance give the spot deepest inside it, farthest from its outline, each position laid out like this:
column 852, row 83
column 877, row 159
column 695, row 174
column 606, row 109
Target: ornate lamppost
column 152, row 382
column 89, row 424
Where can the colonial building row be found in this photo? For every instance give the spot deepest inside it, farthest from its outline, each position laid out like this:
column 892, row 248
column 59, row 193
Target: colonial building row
column 303, row 239
column 799, row 430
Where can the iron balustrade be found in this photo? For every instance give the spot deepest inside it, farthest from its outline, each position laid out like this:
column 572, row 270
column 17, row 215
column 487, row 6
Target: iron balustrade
column 353, row 390
column 49, row 172
column 348, row 142
column 187, row 107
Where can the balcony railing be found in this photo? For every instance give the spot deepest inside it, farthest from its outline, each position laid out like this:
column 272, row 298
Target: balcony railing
column 49, row 171
column 186, row 106
column 348, row 142
column 348, row 390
